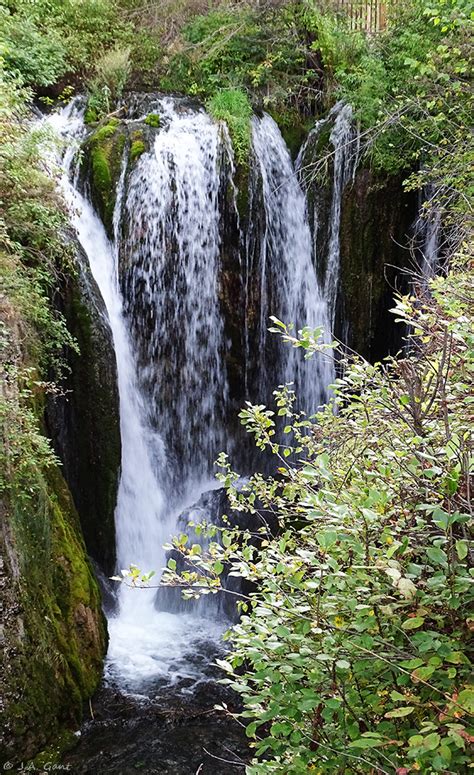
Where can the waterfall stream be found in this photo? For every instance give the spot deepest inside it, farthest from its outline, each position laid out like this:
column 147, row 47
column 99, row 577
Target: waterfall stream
column 288, row 280
column 159, row 276
column 170, row 285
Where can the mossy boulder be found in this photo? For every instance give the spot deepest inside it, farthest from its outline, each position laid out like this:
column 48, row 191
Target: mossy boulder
column 54, row 633
column 137, row 146
column 153, row 120
column 103, row 156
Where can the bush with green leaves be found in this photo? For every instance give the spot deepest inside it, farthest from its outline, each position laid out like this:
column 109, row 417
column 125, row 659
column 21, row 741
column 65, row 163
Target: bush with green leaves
column 352, row 654
column 257, row 49
column 233, row 107
column 112, row 71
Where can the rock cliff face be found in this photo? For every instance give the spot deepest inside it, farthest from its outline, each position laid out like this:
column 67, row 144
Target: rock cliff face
column 83, row 420
column 53, row 632
column 377, row 216
column 361, row 222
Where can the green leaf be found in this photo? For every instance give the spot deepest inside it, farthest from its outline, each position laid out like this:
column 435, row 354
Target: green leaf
column 400, row 712
column 366, row 742
column 462, row 549
column 251, row 729
column 172, row 564
column 432, row 741
column 466, row 700
column 413, row 624
column 437, row 556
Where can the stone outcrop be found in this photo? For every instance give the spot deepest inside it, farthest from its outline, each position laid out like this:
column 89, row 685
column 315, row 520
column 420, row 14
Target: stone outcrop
column 83, row 419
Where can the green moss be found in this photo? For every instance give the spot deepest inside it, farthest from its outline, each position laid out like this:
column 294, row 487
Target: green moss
column 91, row 116
column 153, row 120
column 102, row 178
column 233, row 107
column 136, row 150
column 107, row 131
column 65, row 741
column 293, row 127
column 105, row 147
column 56, row 662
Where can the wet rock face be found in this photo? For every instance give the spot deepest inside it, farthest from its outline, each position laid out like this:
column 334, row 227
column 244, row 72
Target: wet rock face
column 54, row 634
column 83, row 420
column 377, row 216
column 374, row 222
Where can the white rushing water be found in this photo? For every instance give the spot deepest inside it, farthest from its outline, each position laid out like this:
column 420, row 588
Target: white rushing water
column 171, row 252
column 344, row 141
column 290, row 288
column 144, row 643
column 428, row 235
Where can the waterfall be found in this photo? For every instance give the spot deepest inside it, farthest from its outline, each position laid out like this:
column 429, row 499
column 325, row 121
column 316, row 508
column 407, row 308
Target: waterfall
column 428, row 235
column 144, row 644
column 161, row 276
column 289, row 287
column 170, row 281
column 344, row 141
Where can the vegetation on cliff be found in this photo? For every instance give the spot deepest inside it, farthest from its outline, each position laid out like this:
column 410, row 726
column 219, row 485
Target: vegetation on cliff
column 54, row 633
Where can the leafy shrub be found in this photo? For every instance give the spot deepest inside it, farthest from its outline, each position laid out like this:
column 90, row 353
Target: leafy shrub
column 39, row 59
column 112, row 71
column 33, row 244
column 253, row 49
column 352, row 654
column 233, row 107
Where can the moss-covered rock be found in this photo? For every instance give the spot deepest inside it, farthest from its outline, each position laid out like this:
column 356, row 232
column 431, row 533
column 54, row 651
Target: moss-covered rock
column 54, row 631
column 83, row 419
column 137, row 147
column 102, row 160
column 153, row 120
column 294, row 128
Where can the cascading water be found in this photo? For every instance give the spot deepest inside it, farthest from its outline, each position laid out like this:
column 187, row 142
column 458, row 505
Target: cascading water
column 289, row 287
column 144, row 644
column 428, row 235
column 169, row 265
column 342, row 136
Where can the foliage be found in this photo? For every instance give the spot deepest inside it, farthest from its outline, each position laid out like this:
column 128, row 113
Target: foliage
column 39, row 58
column 112, row 72
column 33, row 254
column 256, row 49
column 233, row 107
column 33, row 244
column 45, row 41
column 152, row 120
column 411, row 93
column 352, row 654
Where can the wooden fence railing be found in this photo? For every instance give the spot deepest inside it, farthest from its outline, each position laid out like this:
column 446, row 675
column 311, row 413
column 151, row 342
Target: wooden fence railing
column 365, row 15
